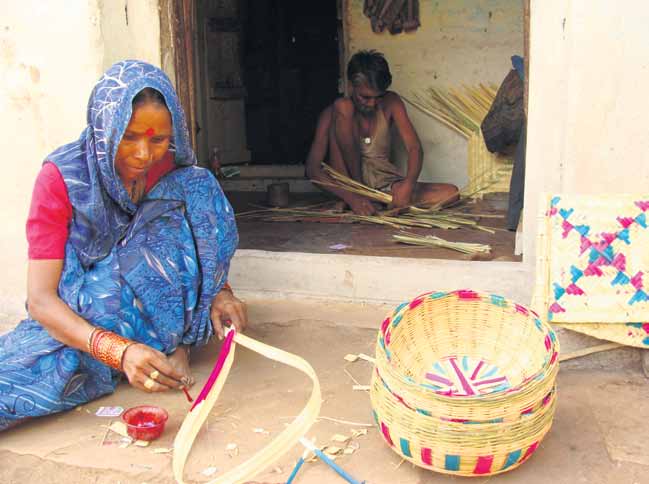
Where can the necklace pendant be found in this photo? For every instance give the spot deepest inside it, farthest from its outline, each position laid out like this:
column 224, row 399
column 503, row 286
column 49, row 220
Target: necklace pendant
column 367, row 140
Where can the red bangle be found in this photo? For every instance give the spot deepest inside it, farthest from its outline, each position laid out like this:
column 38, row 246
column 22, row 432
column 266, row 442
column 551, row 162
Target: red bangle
column 109, row 348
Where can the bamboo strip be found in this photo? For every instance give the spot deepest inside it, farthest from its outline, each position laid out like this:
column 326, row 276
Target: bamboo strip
column 282, row 443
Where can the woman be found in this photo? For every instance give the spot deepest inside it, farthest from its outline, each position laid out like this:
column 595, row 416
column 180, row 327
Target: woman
column 129, row 247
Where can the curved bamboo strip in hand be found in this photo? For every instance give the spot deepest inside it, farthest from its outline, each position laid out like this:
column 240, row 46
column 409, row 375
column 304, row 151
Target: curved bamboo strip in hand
column 279, row 445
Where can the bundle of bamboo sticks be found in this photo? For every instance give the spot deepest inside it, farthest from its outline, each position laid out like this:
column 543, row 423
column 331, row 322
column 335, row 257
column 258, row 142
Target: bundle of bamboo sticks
column 410, row 217
column 433, row 241
column 463, row 111
column 341, row 181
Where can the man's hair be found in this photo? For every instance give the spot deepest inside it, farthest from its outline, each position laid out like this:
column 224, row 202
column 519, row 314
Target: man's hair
column 369, row 67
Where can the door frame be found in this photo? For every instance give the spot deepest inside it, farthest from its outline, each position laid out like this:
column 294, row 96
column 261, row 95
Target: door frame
column 177, row 38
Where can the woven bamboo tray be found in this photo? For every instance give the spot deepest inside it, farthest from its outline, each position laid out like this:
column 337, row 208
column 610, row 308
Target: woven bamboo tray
column 464, row 382
column 591, row 260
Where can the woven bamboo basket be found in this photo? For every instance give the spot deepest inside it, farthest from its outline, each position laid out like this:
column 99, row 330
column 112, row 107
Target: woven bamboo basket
column 464, row 382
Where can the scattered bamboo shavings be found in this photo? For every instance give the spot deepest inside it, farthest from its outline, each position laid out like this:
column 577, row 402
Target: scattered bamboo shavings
column 259, row 430
column 332, row 450
column 345, row 422
column 358, row 432
column 351, row 376
column 142, row 443
column 363, row 356
column 118, row 427
column 351, row 448
column 399, row 464
column 103, row 440
column 309, row 456
column 209, row 471
column 351, row 358
column 336, row 420
column 232, row 449
column 162, row 450
column 339, row 438
column 218, row 413
column 358, row 386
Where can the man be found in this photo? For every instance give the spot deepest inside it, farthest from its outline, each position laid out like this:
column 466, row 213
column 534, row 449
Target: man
column 356, row 132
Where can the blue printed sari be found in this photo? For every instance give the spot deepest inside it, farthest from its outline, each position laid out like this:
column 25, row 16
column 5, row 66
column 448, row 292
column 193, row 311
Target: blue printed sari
column 147, row 272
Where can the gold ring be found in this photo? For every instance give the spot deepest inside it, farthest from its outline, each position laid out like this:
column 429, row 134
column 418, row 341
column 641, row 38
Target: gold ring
column 149, row 383
column 154, row 375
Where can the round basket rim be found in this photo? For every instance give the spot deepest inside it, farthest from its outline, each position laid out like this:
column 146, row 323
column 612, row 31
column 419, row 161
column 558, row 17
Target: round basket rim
column 383, row 354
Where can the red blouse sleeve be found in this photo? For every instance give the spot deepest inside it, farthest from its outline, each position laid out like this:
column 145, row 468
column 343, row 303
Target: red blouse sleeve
column 49, row 217
column 50, row 212
column 160, row 169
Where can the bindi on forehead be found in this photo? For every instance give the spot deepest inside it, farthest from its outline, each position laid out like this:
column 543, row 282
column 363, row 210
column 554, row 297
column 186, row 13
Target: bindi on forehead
column 149, row 132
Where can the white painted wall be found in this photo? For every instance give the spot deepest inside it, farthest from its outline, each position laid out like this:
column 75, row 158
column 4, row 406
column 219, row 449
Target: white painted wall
column 587, row 127
column 130, row 30
column 459, row 42
column 51, row 54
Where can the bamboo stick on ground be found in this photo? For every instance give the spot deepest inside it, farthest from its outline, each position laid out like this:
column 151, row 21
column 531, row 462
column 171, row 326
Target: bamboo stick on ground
column 433, row 241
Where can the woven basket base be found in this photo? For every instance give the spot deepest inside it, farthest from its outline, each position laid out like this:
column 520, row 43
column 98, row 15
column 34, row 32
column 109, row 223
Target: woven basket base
column 461, row 375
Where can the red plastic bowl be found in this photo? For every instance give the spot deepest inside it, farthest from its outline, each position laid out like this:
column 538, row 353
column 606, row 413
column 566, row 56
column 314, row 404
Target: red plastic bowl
column 145, row 422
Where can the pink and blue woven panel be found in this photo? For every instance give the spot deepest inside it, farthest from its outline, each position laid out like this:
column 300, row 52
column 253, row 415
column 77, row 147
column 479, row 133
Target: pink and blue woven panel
column 597, row 252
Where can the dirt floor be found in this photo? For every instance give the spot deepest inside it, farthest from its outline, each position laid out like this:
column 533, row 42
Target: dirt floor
column 599, row 433
column 367, row 239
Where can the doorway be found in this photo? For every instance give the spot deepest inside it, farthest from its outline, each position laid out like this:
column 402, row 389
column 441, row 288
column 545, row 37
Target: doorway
column 291, row 73
column 266, row 69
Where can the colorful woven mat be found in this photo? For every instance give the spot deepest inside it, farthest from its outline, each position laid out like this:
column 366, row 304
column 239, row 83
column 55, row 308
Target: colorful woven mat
column 592, row 262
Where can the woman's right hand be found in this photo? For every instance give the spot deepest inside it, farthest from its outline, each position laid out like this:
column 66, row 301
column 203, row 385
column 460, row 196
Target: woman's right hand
column 140, row 361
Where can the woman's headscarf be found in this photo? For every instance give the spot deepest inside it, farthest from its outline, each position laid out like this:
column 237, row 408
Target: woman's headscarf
column 101, row 205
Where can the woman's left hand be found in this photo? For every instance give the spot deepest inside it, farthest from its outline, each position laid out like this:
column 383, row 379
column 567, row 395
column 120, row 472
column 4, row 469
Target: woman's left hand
column 227, row 307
